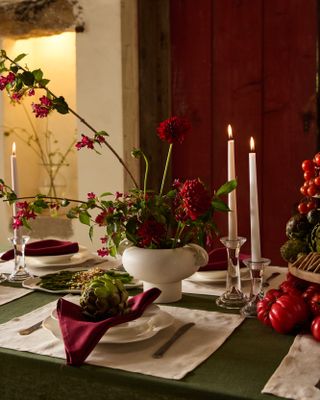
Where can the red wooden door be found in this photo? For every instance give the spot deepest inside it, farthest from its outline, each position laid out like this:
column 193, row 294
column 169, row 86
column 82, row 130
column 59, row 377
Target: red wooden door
column 251, row 64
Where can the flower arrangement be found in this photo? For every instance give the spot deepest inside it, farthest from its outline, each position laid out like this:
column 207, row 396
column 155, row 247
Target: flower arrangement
column 146, row 218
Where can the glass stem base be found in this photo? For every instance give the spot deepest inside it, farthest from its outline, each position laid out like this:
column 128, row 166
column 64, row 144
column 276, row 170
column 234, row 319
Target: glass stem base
column 233, row 298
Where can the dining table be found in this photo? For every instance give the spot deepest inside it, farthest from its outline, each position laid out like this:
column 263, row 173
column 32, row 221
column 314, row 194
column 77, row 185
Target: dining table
column 238, row 369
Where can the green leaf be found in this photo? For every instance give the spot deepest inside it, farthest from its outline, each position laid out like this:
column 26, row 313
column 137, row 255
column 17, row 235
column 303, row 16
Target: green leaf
column 226, row 188
column 131, row 238
column 65, row 202
column 19, row 57
column 25, row 224
column 110, row 229
column 38, row 74
column 113, row 251
column 72, row 213
column 27, row 78
column 84, row 218
column 2, row 68
column 91, row 232
column 172, row 193
column 104, row 194
column 219, row 205
column 18, row 85
column 136, row 153
column 14, row 68
column 44, row 82
column 102, row 133
column 60, row 105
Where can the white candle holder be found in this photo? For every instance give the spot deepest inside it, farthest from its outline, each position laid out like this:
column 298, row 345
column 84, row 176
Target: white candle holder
column 256, row 269
column 20, row 271
column 233, row 297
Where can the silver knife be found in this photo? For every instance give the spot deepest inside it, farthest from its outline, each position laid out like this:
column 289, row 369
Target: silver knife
column 183, row 329
column 30, row 329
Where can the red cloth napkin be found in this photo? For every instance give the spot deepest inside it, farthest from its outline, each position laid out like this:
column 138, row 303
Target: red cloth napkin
column 218, row 260
column 48, row 247
column 80, row 335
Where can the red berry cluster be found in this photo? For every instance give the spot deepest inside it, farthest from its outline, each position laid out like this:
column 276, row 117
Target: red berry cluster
column 311, row 186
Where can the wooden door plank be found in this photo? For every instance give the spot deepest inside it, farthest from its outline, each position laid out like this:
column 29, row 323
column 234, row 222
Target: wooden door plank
column 289, row 73
column 154, row 83
column 237, row 96
column 191, row 85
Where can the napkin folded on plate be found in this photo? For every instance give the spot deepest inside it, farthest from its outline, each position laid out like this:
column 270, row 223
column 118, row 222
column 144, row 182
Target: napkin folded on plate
column 47, row 247
column 81, row 335
column 218, row 260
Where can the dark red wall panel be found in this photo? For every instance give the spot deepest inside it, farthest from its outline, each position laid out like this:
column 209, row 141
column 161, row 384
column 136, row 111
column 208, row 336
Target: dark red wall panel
column 191, row 85
column 251, row 64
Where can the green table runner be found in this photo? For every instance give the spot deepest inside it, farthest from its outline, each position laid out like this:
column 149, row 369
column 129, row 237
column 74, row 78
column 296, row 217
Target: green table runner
column 237, row 370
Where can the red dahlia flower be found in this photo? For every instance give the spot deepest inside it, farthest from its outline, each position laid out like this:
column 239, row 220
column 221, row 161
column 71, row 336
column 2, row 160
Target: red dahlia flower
column 150, row 232
column 173, row 129
column 195, row 198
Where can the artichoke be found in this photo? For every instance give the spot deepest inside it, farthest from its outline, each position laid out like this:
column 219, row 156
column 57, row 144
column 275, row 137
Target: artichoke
column 298, row 227
column 315, row 239
column 104, row 297
column 313, row 216
column 292, row 248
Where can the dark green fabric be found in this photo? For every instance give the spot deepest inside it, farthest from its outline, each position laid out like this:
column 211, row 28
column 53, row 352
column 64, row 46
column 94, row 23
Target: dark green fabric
column 237, row 370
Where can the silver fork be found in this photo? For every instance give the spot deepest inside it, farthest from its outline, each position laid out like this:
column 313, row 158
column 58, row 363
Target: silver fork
column 266, row 283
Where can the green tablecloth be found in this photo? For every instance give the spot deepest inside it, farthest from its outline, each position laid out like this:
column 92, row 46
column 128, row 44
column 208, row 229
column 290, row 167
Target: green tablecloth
column 237, row 370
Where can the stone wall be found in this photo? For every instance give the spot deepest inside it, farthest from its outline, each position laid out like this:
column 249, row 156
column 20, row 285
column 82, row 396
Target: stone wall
column 30, row 18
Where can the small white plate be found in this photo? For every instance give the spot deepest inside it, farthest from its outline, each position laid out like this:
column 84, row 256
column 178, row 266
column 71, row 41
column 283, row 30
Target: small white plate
column 148, row 325
column 217, row 276
column 49, row 260
column 32, row 283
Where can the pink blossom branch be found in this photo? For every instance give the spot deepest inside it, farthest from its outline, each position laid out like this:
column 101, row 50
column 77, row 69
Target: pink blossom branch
column 82, row 120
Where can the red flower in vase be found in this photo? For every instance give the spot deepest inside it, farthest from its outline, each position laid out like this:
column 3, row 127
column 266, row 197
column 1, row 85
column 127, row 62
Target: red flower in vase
column 149, row 232
column 195, row 198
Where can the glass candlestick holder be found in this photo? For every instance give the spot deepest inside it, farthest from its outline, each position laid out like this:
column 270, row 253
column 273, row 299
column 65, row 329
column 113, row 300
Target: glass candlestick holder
column 20, row 271
column 3, row 278
column 233, row 297
column 256, row 269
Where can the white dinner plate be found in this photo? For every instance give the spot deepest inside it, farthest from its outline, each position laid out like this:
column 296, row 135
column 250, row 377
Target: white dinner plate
column 32, row 283
column 62, row 259
column 148, row 325
column 217, row 276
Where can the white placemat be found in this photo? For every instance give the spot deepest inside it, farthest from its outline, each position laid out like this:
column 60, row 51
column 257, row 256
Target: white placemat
column 8, row 293
column 7, row 266
column 299, row 371
column 209, row 333
column 218, row 288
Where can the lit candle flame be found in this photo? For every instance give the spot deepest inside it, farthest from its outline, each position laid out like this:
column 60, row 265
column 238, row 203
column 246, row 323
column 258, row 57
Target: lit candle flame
column 252, row 147
column 14, row 148
column 230, row 132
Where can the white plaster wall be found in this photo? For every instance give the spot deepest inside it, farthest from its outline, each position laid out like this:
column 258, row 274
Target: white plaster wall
column 4, row 233
column 99, row 100
column 48, row 54
column 99, row 92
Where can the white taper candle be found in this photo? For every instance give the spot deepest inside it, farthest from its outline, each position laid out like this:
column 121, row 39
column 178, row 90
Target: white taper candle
column 254, row 205
column 232, row 197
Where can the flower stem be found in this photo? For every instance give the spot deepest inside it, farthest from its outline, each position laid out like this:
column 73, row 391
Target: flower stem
column 146, row 172
column 179, row 231
column 86, row 124
column 166, row 169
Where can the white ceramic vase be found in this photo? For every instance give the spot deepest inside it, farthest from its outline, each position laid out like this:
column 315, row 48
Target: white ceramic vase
column 164, row 268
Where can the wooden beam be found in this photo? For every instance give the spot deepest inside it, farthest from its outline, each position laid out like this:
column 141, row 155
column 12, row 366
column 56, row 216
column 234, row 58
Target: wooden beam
column 154, row 83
